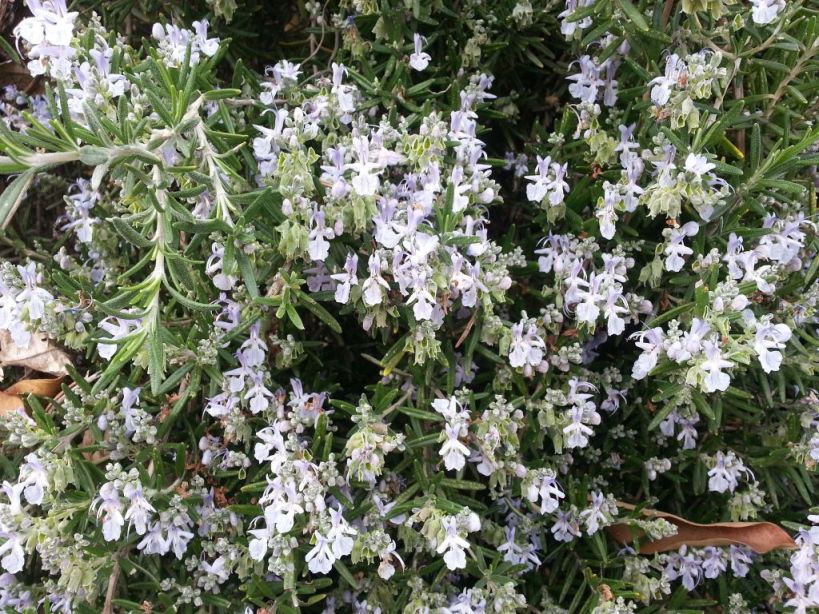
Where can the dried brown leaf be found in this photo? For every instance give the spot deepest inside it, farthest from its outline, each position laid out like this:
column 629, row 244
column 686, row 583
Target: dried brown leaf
column 11, row 398
column 40, row 355
column 761, row 537
column 17, row 74
column 9, row 403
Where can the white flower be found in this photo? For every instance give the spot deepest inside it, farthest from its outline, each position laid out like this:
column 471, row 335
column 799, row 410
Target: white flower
column 78, row 213
column 34, row 476
column 318, row 246
column 577, row 434
column 14, row 492
column 516, row 554
column 651, row 342
column 566, row 526
column 32, row 297
column 453, row 546
column 177, row 540
column 698, row 164
column 153, row 542
column 525, row 349
column 365, row 180
column 587, row 82
column 108, row 504
column 258, row 545
column 173, row 42
column 139, row 512
column 605, row 213
column 281, row 514
column 542, row 484
column 422, row 301
column 661, row 91
column 683, row 565
column 209, row 46
column 217, row 569
column 450, row 408
column 420, row 59
column 568, row 28
column 375, row 285
column 587, row 298
column 254, row 349
column 764, row 12
column 724, row 475
column 740, row 560
column 616, row 305
column 715, row 379
column 321, row 558
column 713, row 562
column 453, row 451
column 598, row 513
column 344, row 94
column 13, row 554
column 386, row 569
column 48, row 32
column 214, row 269
column 340, row 534
column 690, row 344
column 549, row 183
column 346, row 279
column 768, row 339
column 675, row 249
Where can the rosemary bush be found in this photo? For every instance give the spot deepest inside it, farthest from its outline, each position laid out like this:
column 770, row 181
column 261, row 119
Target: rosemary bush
column 410, row 306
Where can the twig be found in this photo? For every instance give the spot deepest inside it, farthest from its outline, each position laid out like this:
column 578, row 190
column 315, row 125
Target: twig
column 396, row 404
column 797, row 70
column 108, row 608
column 468, row 328
column 669, row 4
column 739, row 94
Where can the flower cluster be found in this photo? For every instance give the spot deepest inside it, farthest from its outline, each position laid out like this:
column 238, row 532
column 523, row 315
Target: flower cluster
column 406, row 322
column 48, row 34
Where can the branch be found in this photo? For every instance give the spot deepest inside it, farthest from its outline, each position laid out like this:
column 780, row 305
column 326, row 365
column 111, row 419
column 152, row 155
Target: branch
column 108, row 608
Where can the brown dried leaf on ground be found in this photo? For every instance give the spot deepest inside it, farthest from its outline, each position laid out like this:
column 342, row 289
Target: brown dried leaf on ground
column 40, row 355
column 11, row 399
column 761, row 537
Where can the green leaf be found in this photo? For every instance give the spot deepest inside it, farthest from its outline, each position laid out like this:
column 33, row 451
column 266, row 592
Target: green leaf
column 156, row 360
column 294, row 316
column 670, row 315
column 127, row 232
column 421, row 414
column 756, row 147
column 702, row 405
column 13, row 195
column 248, row 274
column 344, row 572
column 9, row 50
column 661, row 415
column 186, row 302
column 634, row 14
column 425, row 440
column 462, row 484
column 319, row 311
column 221, row 94
column 129, row 606
column 246, row 510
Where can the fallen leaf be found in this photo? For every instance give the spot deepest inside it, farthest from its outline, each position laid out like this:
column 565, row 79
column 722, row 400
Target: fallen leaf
column 9, row 403
column 88, row 440
column 17, row 74
column 11, row 398
column 761, row 537
column 41, row 387
column 40, row 355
